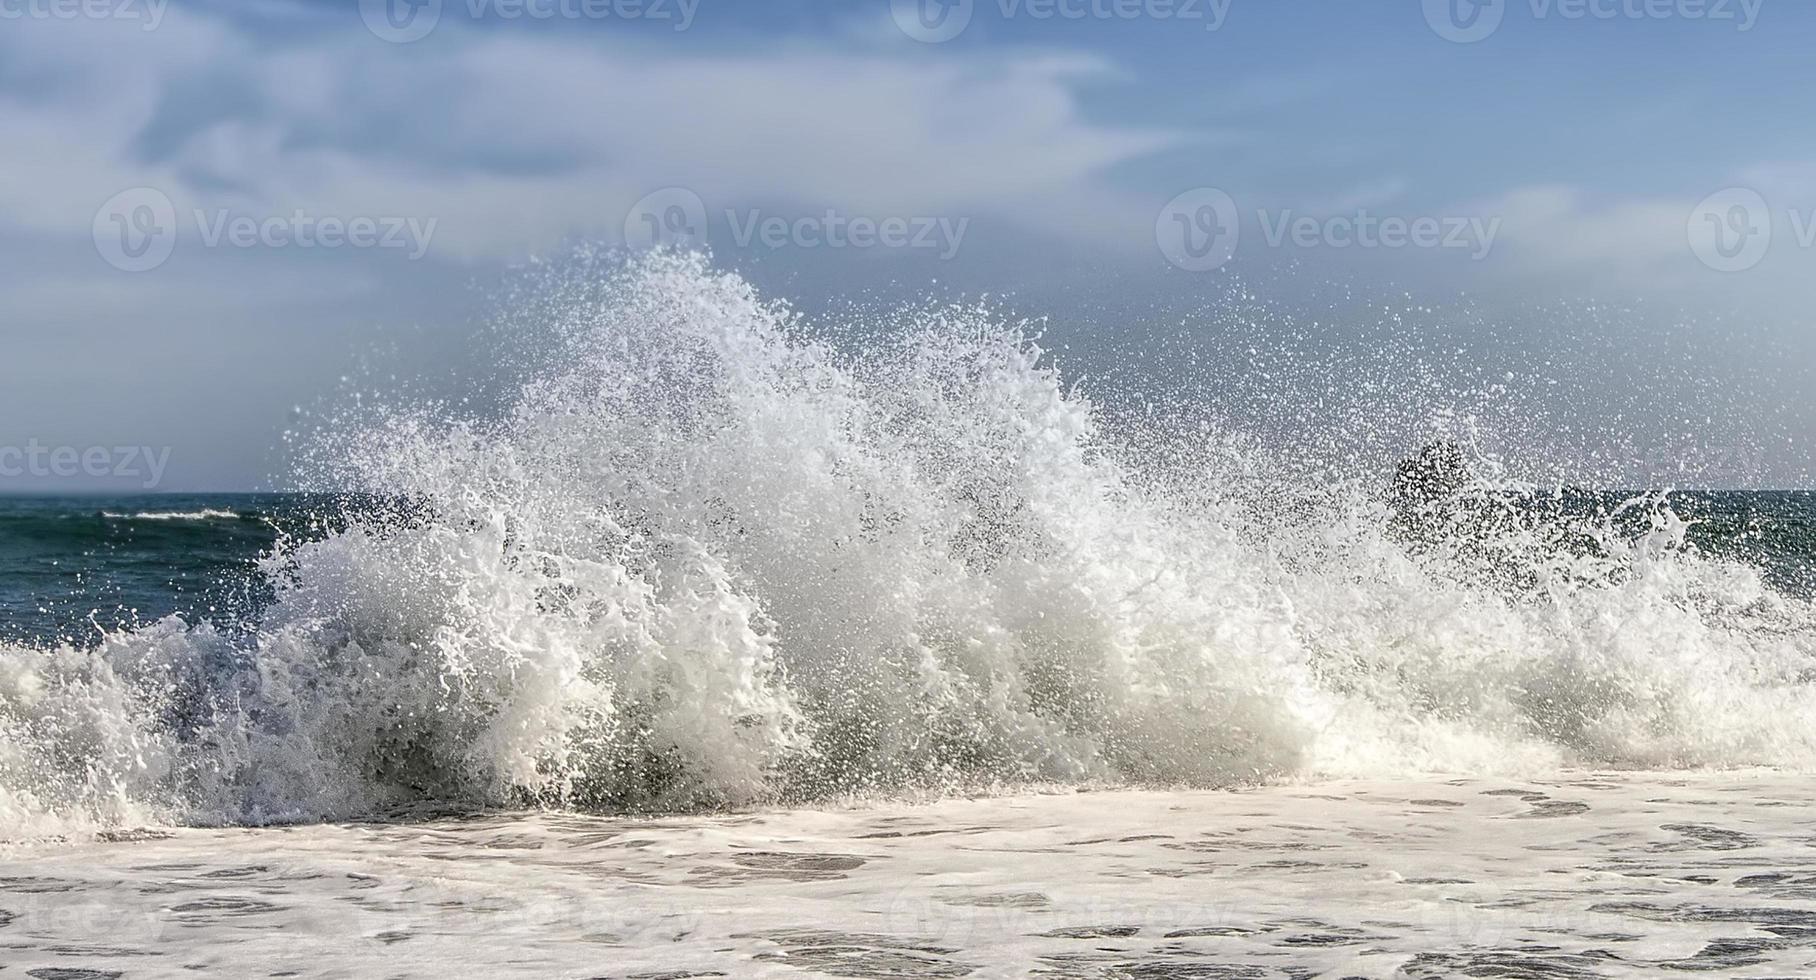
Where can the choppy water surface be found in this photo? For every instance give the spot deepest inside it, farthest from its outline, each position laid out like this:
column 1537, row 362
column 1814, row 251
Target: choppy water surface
column 1579, row 877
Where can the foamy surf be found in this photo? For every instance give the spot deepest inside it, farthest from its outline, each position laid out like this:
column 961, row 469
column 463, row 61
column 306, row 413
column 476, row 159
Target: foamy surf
column 1581, row 876
column 708, row 557
column 174, row 515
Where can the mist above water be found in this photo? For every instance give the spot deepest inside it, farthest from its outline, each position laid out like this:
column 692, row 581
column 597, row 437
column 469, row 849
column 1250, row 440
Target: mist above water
column 706, row 556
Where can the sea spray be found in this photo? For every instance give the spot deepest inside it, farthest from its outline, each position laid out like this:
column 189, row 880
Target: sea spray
column 704, row 556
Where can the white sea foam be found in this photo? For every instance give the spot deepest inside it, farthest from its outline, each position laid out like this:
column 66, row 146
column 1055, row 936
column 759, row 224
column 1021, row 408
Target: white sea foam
column 706, row 559
column 206, row 514
column 1590, row 876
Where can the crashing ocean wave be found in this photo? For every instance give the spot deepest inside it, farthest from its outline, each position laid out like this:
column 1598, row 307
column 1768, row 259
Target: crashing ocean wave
column 706, row 559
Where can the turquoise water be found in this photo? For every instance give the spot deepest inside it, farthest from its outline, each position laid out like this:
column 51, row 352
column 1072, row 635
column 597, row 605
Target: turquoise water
column 1774, row 531
column 72, row 566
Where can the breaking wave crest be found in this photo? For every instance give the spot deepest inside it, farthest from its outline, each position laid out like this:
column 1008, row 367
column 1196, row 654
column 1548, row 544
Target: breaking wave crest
column 207, row 514
column 706, row 559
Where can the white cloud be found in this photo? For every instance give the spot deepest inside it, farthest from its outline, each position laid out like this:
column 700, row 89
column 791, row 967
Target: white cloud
column 1638, row 246
column 514, row 141
column 341, row 124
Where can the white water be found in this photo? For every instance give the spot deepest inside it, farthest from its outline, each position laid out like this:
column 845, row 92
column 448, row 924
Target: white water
column 208, row 514
column 703, row 559
column 1604, row 876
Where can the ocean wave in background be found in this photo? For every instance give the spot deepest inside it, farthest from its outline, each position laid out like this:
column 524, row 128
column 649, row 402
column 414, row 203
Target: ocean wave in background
column 705, row 559
column 175, row 515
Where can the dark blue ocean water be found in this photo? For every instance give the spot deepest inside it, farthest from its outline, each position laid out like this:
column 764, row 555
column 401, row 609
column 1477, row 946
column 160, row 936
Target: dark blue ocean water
column 71, row 567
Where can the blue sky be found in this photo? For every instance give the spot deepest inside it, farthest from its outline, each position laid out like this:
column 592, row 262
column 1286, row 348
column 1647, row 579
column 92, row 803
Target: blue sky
column 1570, row 156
